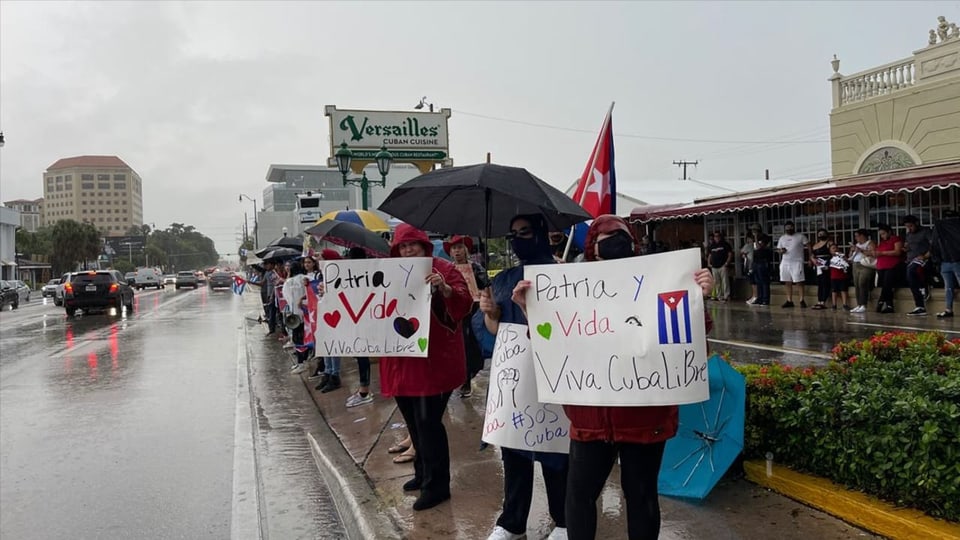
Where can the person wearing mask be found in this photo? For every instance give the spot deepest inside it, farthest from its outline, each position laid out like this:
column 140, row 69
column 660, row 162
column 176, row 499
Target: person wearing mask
column 600, row 435
column 459, row 248
column 820, row 260
column 528, row 237
column 946, row 250
column 558, row 244
column 762, row 259
column 864, row 263
column 720, row 257
column 422, row 386
column 917, row 246
column 889, row 255
column 792, row 248
column 362, row 396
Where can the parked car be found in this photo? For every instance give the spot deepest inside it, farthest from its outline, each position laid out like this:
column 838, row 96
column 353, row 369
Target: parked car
column 186, row 279
column 220, row 280
column 8, row 296
column 58, row 294
column 130, row 278
column 148, row 277
column 50, row 289
column 23, row 290
column 97, row 290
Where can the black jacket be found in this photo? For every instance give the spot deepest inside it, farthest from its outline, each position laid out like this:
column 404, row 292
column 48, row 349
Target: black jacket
column 945, row 243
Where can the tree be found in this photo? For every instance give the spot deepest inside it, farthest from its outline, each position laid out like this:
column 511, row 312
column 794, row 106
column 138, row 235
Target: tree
column 33, row 244
column 73, row 243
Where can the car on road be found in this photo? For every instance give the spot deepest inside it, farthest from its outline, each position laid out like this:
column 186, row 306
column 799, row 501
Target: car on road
column 50, row 289
column 169, row 279
column 58, row 294
column 97, row 290
column 8, row 295
column 220, row 279
column 201, row 277
column 186, row 279
column 23, row 290
column 130, row 278
column 148, row 277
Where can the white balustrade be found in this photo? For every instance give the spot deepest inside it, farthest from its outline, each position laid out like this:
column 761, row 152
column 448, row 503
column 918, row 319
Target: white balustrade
column 878, row 81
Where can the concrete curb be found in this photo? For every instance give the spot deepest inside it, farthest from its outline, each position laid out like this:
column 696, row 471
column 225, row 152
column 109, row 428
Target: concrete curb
column 859, row 509
column 360, row 509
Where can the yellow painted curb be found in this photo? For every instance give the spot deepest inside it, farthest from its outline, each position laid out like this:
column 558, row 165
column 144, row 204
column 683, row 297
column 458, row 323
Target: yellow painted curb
column 853, row 507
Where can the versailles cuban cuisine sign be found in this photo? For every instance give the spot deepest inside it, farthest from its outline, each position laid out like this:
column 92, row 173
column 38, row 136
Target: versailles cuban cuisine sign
column 408, row 135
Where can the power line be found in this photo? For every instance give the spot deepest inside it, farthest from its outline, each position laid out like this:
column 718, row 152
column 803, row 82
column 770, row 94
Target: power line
column 633, row 135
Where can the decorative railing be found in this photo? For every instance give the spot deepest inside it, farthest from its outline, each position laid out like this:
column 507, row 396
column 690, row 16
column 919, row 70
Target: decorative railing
column 877, row 82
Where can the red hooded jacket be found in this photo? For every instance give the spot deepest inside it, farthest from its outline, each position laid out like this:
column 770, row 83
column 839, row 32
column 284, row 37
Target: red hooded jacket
column 445, row 368
column 620, row 424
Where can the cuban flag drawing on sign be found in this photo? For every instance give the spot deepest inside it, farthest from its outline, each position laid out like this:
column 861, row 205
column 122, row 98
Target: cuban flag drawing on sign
column 673, row 317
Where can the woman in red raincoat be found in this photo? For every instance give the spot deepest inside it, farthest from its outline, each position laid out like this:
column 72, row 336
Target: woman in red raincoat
column 422, row 386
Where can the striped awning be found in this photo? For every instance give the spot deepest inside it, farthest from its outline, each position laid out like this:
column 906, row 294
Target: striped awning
column 922, row 178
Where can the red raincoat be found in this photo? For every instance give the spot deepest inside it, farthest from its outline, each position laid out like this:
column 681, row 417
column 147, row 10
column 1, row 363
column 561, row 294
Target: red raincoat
column 620, row 424
column 445, row 368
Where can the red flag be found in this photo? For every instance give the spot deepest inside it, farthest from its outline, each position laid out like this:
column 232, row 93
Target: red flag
column 596, row 191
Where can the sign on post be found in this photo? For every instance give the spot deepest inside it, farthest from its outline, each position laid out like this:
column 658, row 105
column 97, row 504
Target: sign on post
column 374, row 307
column 410, row 136
column 514, row 416
column 625, row 332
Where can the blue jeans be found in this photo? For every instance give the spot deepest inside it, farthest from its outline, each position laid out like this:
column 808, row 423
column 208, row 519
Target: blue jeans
column 950, row 272
column 331, row 365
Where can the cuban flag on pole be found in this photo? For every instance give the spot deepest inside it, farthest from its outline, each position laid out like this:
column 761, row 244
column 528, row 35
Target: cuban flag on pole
column 239, row 284
column 673, row 317
column 597, row 189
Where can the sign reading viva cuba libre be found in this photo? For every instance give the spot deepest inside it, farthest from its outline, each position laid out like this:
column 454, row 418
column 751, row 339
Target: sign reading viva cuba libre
column 409, row 135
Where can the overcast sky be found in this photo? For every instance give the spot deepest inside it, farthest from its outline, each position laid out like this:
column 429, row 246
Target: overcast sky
column 200, row 98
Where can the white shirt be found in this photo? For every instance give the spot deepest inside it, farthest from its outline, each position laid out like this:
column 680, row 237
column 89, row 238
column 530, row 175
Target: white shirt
column 794, row 244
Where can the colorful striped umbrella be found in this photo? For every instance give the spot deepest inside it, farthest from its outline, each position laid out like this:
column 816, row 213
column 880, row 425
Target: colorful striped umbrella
column 364, row 218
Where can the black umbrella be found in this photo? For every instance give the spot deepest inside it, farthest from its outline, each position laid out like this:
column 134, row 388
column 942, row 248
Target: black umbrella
column 295, row 242
column 346, row 234
column 480, row 200
column 277, row 253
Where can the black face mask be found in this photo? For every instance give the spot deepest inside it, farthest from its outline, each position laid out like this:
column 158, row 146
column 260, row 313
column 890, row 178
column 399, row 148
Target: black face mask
column 822, row 236
column 789, row 231
column 617, row 246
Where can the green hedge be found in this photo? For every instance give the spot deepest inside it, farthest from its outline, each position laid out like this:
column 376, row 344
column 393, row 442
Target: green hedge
column 883, row 418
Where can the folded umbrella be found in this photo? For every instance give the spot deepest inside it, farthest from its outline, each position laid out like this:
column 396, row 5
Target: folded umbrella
column 709, row 438
column 347, row 234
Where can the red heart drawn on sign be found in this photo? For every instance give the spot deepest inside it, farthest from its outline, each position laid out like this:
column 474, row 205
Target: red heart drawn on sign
column 391, row 307
column 332, row 319
column 414, row 323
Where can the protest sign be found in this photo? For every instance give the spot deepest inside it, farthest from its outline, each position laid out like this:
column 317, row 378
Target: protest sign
column 624, row 332
column 467, row 271
column 374, row 307
column 514, row 417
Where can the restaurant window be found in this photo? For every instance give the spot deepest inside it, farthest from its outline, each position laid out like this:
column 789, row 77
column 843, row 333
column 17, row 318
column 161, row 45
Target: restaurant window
column 842, row 219
column 928, row 206
column 887, row 209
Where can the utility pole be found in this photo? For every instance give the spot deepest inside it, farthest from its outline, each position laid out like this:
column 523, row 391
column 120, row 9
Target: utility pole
column 684, row 164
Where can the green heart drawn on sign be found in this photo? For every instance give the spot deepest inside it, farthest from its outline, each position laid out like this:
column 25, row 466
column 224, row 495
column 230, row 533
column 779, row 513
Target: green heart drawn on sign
column 422, row 342
column 545, row 330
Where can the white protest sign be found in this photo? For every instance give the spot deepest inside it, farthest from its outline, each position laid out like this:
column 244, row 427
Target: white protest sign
column 515, row 418
column 374, row 307
column 624, row 332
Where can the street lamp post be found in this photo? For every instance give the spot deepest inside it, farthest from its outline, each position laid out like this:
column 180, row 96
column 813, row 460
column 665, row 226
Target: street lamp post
column 344, row 158
column 242, row 197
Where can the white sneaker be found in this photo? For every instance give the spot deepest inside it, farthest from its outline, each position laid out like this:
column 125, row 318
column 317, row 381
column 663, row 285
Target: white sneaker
column 559, row 533
column 499, row 533
column 299, row 368
column 859, row 309
column 749, row 302
column 288, row 345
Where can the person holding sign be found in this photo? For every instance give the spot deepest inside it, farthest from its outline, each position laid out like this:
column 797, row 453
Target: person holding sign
column 422, row 386
column 532, row 246
column 459, row 248
column 601, row 434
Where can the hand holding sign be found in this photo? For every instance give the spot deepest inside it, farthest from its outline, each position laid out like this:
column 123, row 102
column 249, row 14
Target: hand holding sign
column 519, row 295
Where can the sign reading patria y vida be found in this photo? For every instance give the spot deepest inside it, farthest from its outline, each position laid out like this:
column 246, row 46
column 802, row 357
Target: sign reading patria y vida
column 374, row 307
column 625, row 332
column 409, row 136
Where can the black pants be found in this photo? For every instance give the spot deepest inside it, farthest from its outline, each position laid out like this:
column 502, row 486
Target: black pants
column 590, row 464
column 424, row 418
column 887, row 279
column 363, row 366
column 761, row 276
column 823, row 286
column 917, row 280
column 471, row 346
column 518, row 492
column 271, row 310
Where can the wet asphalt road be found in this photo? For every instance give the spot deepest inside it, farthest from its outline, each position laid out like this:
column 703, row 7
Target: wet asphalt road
column 126, row 426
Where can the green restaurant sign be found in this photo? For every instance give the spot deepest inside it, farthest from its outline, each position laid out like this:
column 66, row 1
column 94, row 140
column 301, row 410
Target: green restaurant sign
column 408, row 135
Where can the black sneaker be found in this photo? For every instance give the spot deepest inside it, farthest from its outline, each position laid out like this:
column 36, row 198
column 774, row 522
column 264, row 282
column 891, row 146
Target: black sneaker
column 918, row 312
column 803, row 304
column 323, row 381
column 887, row 309
column 466, row 391
column 787, row 304
column 333, row 383
column 944, row 314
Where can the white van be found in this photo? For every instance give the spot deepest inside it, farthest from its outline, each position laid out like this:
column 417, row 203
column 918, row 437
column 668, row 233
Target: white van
column 147, row 277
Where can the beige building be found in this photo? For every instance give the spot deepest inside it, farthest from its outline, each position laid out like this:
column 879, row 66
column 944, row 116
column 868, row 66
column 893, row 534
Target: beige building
column 901, row 114
column 30, row 212
column 102, row 190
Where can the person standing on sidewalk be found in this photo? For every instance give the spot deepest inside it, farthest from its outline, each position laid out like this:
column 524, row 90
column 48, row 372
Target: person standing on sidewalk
column 459, row 248
column 529, row 240
column 746, row 253
column 422, row 386
column 889, row 255
column 864, row 263
column 599, row 435
column 792, row 247
column 946, row 249
column 820, row 260
column 362, row 396
column 762, row 259
column 917, row 247
column 720, row 257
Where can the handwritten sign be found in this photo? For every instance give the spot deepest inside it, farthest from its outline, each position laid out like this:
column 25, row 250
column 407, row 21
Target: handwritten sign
column 514, row 417
column 374, row 307
column 625, row 332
